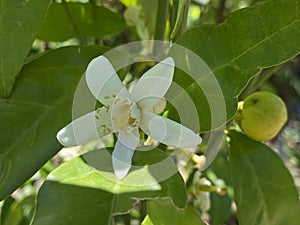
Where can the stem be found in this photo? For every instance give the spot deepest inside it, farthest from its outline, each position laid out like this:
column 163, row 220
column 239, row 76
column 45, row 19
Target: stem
column 258, row 80
column 160, row 25
column 75, row 27
column 181, row 19
column 216, row 189
column 173, row 14
column 161, row 19
column 221, row 11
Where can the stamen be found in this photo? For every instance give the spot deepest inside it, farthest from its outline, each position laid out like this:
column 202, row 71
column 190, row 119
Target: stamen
column 125, row 115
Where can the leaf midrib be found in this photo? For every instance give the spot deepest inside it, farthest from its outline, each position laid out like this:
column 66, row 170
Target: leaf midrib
column 254, row 46
column 24, row 102
column 245, row 52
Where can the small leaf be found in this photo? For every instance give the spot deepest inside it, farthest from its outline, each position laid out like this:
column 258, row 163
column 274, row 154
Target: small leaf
column 79, row 20
column 95, row 194
column 162, row 212
column 147, row 221
column 264, row 191
column 20, row 212
column 128, row 3
column 39, row 106
column 20, row 21
column 7, row 203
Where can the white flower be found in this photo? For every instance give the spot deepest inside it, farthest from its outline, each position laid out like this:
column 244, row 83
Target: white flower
column 124, row 113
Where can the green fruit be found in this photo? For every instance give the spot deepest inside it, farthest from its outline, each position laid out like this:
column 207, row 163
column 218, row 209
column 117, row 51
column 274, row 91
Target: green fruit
column 261, row 115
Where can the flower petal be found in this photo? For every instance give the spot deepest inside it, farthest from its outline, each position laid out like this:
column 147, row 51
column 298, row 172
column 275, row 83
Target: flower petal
column 86, row 128
column 103, row 81
column 168, row 132
column 123, row 152
column 154, row 84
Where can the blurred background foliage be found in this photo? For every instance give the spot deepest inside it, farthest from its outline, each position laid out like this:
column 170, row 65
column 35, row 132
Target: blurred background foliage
column 136, row 23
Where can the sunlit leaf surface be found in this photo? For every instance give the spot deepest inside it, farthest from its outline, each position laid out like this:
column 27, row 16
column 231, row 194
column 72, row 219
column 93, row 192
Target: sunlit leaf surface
column 264, row 190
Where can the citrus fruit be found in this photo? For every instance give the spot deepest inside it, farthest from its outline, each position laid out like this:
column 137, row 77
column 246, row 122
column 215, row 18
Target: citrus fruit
column 261, row 115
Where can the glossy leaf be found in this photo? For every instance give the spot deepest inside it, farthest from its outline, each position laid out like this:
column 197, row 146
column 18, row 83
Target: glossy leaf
column 38, row 107
column 250, row 39
column 264, row 191
column 20, row 21
column 162, row 212
column 95, row 194
column 79, row 20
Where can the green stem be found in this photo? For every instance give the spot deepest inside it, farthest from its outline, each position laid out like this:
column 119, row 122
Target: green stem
column 181, row 18
column 258, row 80
column 75, row 27
column 221, row 11
column 160, row 25
column 161, row 19
column 216, row 189
column 173, row 13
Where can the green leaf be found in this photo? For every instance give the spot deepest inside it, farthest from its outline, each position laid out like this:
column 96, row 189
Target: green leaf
column 148, row 14
column 162, row 212
column 264, row 191
column 147, row 221
column 79, row 20
column 128, row 3
column 250, row 39
column 7, row 203
column 219, row 173
column 19, row 24
column 87, row 185
column 220, row 210
column 38, row 107
column 20, row 212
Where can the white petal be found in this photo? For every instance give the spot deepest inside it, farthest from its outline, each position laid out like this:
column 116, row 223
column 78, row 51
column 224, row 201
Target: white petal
column 123, row 152
column 86, row 128
column 168, row 132
column 103, row 80
column 154, row 84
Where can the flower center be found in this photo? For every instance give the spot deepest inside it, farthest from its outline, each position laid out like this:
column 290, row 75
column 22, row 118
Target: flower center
column 125, row 115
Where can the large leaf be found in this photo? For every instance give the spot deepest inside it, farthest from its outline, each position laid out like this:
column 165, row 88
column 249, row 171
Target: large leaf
column 19, row 24
column 162, row 212
column 264, row 191
column 81, row 20
column 250, row 39
column 38, row 107
column 95, row 194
